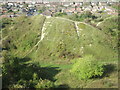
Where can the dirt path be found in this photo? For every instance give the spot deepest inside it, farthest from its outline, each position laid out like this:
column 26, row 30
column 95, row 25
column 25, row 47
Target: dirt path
column 42, row 36
column 72, row 20
column 104, row 20
column 43, row 33
column 76, row 25
column 77, row 29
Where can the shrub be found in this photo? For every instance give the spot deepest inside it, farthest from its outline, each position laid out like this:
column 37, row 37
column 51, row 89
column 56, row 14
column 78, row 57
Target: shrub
column 17, row 86
column 87, row 67
column 45, row 84
column 74, row 17
column 59, row 14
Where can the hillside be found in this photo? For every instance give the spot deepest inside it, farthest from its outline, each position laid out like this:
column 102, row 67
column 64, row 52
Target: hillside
column 110, row 27
column 56, row 42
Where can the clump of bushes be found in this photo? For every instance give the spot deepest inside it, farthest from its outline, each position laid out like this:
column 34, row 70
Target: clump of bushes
column 87, row 67
column 35, row 82
column 45, row 84
column 59, row 14
column 17, row 86
column 17, row 74
column 83, row 16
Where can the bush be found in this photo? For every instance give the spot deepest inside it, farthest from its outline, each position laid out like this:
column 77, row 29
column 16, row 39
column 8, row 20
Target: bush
column 87, row 67
column 82, row 16
column 45, row 84
column 75, row 17
column 17, row 86
column 59, row 14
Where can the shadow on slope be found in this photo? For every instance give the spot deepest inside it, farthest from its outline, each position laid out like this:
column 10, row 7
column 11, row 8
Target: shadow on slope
column 63, row 86
column 109, row 68
column 17, row 70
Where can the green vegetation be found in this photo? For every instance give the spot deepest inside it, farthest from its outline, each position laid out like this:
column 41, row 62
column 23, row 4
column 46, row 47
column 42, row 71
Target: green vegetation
column 59, row 14
column 82, row 17
column 17, row 74
column 96, row 45
column 20, row 43
column 41, row 9
column 56, row 42
column 87, row 67
column 115, row 6
column 110, row 27
column 32, row 62
column 45, row 84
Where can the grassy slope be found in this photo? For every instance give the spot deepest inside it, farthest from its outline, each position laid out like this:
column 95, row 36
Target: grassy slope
column 96, row 42
column 59, row 42
column 23, row 32
column 110, row 27
column 60, row 45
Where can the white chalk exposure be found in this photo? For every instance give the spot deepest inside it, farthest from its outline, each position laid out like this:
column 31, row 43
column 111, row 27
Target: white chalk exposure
column 42, row 37
column 77, row 29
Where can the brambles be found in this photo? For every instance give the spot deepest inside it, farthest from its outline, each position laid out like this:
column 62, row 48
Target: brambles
column 87, row 67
